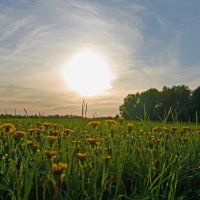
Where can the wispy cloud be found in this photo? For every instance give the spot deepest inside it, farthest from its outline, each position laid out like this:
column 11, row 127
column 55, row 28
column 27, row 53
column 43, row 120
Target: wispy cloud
column 140, row 41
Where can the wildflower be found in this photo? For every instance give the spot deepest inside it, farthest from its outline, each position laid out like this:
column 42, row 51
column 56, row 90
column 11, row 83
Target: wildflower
column 164, row 131
column 12, row 131
column 185, row 129
column 84, row 131
column 67, row 131
column 54, row 132
column 38, row 130
column 174, row 129
column 51, row 138
column 94, row 124
column 58, row 168
column 110, row 122
column 7, row 127
column 46, row 125
column 19, row 134
column 153, row 139
column 50, row 153
column 130, row 127
column 105, row 138
column 155, row 129
column 92, row 141
column 30, row 142
column 31, row 130
column 53, row 158
column 82, row 156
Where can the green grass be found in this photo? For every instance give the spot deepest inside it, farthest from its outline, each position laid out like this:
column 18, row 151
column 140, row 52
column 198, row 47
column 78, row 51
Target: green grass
column 119, row 163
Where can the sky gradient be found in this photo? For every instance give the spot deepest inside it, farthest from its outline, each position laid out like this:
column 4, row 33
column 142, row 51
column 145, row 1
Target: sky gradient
column 147, row 44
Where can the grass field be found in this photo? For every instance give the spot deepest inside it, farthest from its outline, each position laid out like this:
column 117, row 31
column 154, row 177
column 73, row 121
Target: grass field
column 98, row 159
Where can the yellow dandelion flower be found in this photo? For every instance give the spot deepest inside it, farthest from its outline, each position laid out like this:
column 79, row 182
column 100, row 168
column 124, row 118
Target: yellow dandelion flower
column 50, row 153
column 185, row 129
column 67, row 131
column 30, row 143
column 54, row 132
column 155, row 129
column 165, row 129
column 31, row 130
column 174, row 129
column 153, row 139
column 38, row 130
column 51, row 138
column 130, row 127
column 19, row 134
column 94, row 124
column 105, row 138
column 46, row 125
column 58, row 168
column 92, row 141
column 82, row 156
column 84, row 131
column 110, row 122
column 7, row 127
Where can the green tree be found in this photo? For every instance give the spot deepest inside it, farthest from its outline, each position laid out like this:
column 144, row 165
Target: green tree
column 129, row 109
column 196, row 103
column 151, row 100
column 177, row 99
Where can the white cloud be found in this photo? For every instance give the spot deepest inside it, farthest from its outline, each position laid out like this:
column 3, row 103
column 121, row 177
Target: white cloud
column 37, row 37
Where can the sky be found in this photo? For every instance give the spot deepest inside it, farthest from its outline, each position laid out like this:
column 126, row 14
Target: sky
column 146, row 43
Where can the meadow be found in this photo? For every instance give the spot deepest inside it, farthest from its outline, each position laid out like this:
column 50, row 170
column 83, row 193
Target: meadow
column 76, row 159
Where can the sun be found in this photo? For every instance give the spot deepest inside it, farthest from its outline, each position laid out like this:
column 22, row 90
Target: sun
column 87, row 73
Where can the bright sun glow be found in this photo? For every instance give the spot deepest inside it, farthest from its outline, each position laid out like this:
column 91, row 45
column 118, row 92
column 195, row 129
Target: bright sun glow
column 88, row 74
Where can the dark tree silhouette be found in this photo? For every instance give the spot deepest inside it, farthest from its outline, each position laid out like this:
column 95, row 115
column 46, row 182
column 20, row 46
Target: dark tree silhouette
column 179, row 100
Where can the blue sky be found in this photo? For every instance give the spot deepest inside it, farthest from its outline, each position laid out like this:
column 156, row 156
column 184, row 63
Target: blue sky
column 147, row 43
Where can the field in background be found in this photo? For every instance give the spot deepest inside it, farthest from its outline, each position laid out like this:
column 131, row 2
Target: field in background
column 98, row 159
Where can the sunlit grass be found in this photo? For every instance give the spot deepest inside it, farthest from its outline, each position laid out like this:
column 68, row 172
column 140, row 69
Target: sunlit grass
column 98, row 159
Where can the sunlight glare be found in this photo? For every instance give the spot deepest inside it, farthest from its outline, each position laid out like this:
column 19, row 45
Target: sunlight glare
column 88, row 74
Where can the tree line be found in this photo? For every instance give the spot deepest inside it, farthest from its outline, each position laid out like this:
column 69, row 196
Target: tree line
column 172, row 103
column 56, row 116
